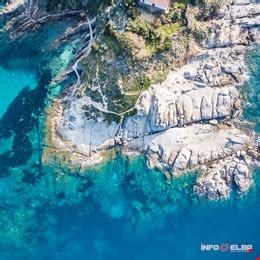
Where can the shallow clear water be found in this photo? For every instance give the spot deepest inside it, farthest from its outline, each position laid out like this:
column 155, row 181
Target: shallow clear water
column 125, row 210
column 121, row 209
column 12, row 81
column 252, row 87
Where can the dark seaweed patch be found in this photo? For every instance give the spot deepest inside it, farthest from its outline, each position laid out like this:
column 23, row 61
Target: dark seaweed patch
column 20, row 118
column 29, row 178
column 61, row 195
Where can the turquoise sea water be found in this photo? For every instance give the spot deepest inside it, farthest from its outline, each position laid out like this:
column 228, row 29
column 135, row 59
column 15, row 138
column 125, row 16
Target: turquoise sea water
column 124, row 210
column 252, row 111
column 12, row 80
column 120, row 210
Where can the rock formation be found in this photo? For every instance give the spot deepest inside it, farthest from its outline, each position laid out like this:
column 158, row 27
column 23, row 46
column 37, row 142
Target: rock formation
column 191, row 120
column 206, row 88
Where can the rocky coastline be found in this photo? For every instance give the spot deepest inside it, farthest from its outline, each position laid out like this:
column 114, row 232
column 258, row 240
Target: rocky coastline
column 191, row 121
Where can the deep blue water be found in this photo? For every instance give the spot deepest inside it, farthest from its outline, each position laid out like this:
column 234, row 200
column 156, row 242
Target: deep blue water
column 120, row 210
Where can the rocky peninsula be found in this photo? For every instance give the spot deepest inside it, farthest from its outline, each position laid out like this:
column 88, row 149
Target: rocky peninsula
column 122, row 129
column 192, row 119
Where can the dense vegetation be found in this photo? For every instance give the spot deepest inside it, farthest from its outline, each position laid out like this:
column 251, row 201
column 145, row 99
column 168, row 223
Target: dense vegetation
column 93, row 6
column 53, row 5
column 119, row 67
column 133, row 50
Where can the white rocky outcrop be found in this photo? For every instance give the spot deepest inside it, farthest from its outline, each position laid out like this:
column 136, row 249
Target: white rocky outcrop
column 206, row 88
column 87, row 136
column 181, row 124
column 239, row 25
column 182, row 149
column 219, row 179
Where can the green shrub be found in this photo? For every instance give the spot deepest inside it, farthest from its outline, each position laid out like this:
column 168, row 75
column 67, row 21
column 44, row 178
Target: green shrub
column 199, row 35
column 94, row 6
column 133, row 112
column 131, row 8
column 109, row 118
column 143, row 28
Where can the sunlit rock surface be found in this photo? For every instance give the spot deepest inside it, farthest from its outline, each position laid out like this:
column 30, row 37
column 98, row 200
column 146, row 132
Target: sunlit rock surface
column 191, row 119
column 54, row 205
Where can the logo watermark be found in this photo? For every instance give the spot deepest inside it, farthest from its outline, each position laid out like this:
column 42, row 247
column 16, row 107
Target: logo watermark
column 231, row 248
